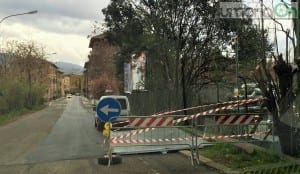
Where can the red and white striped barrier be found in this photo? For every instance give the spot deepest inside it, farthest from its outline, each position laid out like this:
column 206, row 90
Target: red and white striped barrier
column 201, row 107
column 170, row 140
column 118, row 123
column 235, row 119
column 133, row 133
column 241, row 102
column 151, row 122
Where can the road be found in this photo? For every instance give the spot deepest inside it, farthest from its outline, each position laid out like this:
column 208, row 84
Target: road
column 61, row 139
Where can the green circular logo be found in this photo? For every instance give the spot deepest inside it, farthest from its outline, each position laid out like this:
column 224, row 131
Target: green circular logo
column 281, row 10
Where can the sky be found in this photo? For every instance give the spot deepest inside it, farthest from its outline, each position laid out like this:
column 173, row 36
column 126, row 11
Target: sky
column 60, row 26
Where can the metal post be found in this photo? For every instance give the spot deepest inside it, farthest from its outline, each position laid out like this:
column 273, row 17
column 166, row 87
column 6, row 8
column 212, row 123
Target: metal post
column 218, row 92
column 237, row 69
column 246, row 91
column 287, row 46
column 262, row 35
column 298, row 34
column 183, row 85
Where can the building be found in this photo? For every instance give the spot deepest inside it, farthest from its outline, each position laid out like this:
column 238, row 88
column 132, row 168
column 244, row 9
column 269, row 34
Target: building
column 100, row 67
column 66, row 84
column 76, row 83
column 53, row 82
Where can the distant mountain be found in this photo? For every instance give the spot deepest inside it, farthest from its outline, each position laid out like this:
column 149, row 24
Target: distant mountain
column 69, row 68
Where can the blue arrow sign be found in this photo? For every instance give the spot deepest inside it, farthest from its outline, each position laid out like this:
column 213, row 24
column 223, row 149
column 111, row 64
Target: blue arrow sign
column 108, row 109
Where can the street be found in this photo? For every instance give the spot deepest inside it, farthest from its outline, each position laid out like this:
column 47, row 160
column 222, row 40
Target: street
column 62, row 139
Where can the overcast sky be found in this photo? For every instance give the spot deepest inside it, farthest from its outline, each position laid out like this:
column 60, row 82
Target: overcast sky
column 61, row 26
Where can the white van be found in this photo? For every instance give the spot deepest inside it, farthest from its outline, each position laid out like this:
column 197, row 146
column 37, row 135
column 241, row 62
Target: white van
column 125, row 110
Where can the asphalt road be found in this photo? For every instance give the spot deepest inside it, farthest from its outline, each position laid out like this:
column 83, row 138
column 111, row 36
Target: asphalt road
column 72, row 137
column 62, row 139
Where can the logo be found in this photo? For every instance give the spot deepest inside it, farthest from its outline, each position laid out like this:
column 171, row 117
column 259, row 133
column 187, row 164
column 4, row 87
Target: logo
column 254, row 10
column 283, row 10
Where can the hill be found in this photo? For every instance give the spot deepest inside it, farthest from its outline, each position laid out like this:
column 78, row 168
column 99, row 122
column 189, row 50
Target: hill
column 69, row 68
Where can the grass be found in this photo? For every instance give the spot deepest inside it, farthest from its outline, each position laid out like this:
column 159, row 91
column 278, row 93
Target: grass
column 236, row 158
column 13, row 115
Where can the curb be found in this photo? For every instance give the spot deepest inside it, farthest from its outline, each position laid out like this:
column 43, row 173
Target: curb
column 86, row 104
column 292, row 167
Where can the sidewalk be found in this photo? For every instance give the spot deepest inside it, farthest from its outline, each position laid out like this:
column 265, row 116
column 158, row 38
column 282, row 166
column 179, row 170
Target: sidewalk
column 88, row 104
column 275, row 168
column 211, row 163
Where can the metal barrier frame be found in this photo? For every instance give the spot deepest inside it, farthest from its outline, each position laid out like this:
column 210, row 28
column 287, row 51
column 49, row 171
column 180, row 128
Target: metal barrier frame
column 193, row 144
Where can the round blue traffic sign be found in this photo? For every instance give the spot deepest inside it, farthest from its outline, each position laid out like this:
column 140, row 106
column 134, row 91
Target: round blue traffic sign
column 108, row 109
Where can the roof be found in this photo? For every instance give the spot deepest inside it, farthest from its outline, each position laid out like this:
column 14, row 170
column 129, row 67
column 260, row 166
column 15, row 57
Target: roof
column 96, row 38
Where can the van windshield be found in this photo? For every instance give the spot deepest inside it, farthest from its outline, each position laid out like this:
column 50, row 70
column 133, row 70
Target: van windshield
column 122, row 103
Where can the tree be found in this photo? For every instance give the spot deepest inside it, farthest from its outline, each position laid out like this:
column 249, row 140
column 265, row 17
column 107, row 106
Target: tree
column 102, row 84
column 175, row 34
column 25, row 61
column 280, row 85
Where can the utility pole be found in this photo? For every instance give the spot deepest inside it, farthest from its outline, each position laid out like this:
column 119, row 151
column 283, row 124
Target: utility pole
column 287, row 46
column 262, row 34
column 298, row 33
column 183, row 84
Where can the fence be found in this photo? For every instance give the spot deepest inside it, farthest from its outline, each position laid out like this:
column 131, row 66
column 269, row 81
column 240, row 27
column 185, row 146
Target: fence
column 153, row 101
column 162, row 132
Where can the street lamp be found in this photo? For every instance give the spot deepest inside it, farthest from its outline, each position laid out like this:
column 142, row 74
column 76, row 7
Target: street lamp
column 234, row 44
column 49, row 54
column 19, row 14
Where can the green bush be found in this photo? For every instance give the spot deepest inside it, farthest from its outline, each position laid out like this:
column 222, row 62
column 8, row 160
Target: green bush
column 18, row 95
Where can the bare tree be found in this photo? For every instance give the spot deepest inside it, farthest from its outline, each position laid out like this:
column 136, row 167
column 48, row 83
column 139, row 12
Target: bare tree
column 26, row 62
column 278, row 81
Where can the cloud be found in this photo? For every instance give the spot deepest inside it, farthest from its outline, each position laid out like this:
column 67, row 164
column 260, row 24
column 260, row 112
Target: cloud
column 68, row 47
column 86, row 9
column 56, row 15
column 61, row 26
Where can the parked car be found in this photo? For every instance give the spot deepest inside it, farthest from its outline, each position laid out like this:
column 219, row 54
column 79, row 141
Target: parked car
column 125, row 111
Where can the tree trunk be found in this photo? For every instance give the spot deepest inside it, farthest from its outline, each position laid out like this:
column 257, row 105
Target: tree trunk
column 289, row 138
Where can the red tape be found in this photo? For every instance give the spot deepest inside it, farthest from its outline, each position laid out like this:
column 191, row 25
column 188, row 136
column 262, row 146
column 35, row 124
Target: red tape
column 174, row 140
column 238, row 103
